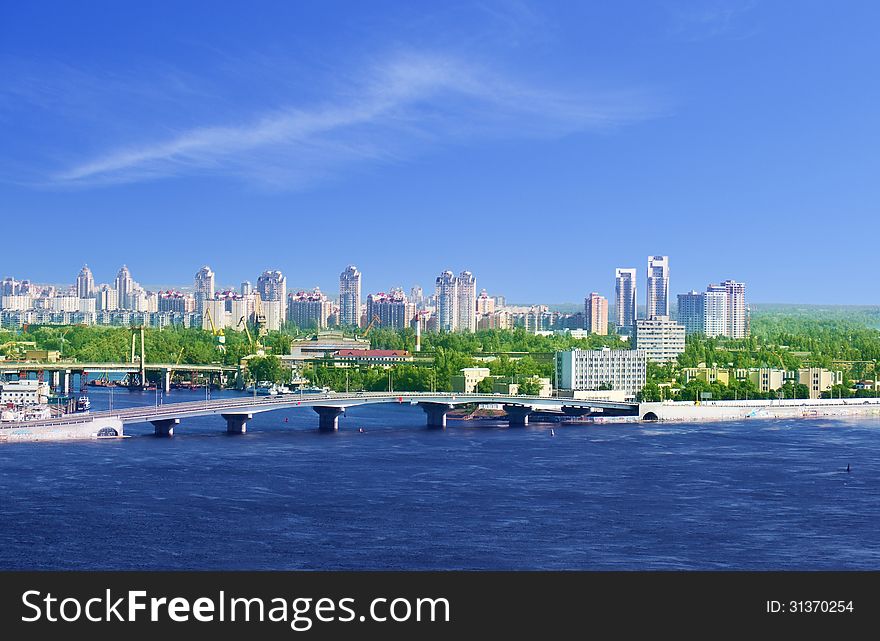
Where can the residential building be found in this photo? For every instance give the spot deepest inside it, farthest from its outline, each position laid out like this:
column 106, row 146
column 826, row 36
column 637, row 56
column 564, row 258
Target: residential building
column 661, row 338
column 596, row 314
column 467, row 302
column 393, row 310
column 485, row 304
column 203, row 287
column 602, row 369
column 715, row 311
column 106, row 299
column 125, row 286
column 350, row 297
column 499, row 319
column 85, row 283
column 625, row 297
column 446, row 295
column 272, row 286
column 172, row 301
column 657, row 287
column 691, row 312
column 309, row 309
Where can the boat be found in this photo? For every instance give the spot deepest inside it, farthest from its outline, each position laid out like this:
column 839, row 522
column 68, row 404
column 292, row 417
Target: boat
column 263, row 388
column 83, row 404
column 312, row 389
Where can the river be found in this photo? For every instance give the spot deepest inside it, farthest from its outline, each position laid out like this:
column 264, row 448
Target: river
column 768, row 494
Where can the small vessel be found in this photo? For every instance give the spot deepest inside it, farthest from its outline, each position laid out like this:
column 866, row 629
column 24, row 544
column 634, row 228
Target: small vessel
column 83, row 404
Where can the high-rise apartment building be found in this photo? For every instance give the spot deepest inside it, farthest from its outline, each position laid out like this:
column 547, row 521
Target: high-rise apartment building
column 393, row 310
column 417, row 296
column 85, row 283
column 467, row 302
column 124, row 289
column 485, row 304
column 107, row 299
column 657, row 287
column 596, row 314
column 738, row 323
column 203, row 287
column 309, row 309
column 272, row 286
column 350, row 297
column 719, row 311
column 447, row 302
column 715, row 311
column 691, row 312
column 625, row 297
column 9, row 287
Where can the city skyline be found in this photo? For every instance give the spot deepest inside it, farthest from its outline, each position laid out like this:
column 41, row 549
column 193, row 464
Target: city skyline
column 653, row 129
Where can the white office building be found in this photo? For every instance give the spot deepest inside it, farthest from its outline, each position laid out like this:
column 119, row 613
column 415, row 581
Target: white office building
column 661, row 338
column 622, row 370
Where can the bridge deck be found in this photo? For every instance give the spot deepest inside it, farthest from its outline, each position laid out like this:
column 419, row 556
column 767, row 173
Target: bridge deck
column 251, row 405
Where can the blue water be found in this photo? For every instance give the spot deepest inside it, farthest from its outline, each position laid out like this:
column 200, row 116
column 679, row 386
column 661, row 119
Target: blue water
column 737, row 495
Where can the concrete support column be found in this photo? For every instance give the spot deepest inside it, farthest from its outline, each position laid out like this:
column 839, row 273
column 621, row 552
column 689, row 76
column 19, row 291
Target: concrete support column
column 436, row 413
column 328, row 418
column 56, row 380
column 165, row 426
column 65, row 381
column 236, row 423
column 166, row 380
column 517, row 414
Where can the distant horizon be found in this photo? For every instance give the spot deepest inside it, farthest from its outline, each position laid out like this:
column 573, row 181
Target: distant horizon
column 428, row 291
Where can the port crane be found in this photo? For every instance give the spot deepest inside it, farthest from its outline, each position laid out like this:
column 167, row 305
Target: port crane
column 259, row 317
column 256, row 347
column 372, row 323
column 218, row 333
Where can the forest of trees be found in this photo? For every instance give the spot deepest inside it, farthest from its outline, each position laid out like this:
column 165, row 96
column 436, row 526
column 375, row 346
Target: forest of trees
column 786, row 338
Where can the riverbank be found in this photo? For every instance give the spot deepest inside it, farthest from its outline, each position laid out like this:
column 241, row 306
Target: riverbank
column 742, row 410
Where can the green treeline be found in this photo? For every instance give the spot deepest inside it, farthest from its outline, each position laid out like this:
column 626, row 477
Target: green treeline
column 787, row 338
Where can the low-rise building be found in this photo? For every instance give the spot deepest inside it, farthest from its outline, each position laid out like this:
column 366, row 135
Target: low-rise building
column 24, row 392
column 470, row 377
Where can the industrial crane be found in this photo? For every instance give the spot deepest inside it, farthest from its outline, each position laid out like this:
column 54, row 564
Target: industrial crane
column 372, row 322
column 218, row 333
column 259, row 316
column 256, row 346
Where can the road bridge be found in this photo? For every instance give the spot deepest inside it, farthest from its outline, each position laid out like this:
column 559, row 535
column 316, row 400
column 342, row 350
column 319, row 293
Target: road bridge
column 237, row 411
column 62, row 372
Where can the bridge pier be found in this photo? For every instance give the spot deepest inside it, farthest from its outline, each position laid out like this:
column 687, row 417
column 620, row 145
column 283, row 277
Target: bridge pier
column 436, row 413
column 328, row 417
column 517, row 414
column 236, row 423
column 65, row 381
column 166, row 380
column 165, row 426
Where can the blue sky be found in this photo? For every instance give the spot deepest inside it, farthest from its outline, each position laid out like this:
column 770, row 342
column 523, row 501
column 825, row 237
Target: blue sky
column 539, row 145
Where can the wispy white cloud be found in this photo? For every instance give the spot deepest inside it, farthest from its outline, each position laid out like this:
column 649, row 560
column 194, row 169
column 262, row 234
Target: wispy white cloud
column 713, row 19
column 397, row 109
